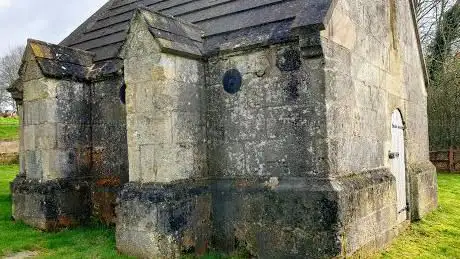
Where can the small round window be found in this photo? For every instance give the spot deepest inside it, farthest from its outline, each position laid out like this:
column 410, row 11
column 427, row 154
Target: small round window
column 232, row 81
column 123, row 94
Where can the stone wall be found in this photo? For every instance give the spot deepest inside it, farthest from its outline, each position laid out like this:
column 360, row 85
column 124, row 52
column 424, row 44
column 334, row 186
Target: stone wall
column 51, row 190
column 164, row 99
column 55, row 116
column 73, row 150
column 373, row 67
column 275, row 125
column 109, row 168
column 165, row 210
column 268, row 155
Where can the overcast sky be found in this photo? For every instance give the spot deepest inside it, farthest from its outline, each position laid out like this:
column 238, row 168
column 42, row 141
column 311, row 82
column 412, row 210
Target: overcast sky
column 46, row 20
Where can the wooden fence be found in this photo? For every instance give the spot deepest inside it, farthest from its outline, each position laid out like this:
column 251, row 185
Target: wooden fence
column 446, row 160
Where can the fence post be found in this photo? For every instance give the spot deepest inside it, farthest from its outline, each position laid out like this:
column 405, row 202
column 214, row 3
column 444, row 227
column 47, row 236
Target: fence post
column 451, row 160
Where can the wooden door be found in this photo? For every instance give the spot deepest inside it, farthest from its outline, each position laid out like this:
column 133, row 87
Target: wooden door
column 398, row 164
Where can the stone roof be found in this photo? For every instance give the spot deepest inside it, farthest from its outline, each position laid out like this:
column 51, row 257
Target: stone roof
column 174, row 36
column 58, row 61
column 225, row 23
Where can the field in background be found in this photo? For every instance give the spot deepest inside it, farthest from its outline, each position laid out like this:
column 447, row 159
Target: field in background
column 436, row 236
column 9, row 129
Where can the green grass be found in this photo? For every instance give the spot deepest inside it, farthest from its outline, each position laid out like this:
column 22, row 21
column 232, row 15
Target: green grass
column 95, row 241
column 9, row 129
column 436, row 236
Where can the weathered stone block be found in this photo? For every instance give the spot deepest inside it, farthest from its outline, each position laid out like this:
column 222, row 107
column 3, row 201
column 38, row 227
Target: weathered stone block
column 188, row 97
column 293, row 217
column 50, row 163
column 39, row 89
column 288, row 89
column 166, row 163
column 215, row 125
column 281, row 157
column 275, row 220
column 107, row 134
column 74, row 112
column 233, row 159
column 50, row 205
column 72, row 91
column 188, row 70
column 33, row 168
column 244, row 124
column 104, row 194
column 148, row 163
column 134, row 158
column 58, row 164
column 33, row 71
column 423, row 189
column 152, row 128
column 29, row 140
column 163, row 221
column 290, row 120
column 73, row 135
column 47, row 110
column 31, row 113
column 153, row 95
column 108, row 160
column 168, row 68
column 215, row 98
column 106, row 105
column 188, row 127
column 45, row 136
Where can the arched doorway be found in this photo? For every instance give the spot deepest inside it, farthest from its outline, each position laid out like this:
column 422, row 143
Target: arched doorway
column 398, row 164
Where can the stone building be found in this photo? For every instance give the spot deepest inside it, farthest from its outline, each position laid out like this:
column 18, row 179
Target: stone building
column 282, row 128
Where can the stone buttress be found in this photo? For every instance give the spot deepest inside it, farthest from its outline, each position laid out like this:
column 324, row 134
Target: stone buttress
column 62, row 175
column 165, row 209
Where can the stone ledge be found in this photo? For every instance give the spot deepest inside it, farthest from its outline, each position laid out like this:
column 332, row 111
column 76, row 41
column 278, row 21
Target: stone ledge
column 294, row 217
column 163, row 220
column 156, row 192
column 266, row 217
column 50, row 205
column 423, row 188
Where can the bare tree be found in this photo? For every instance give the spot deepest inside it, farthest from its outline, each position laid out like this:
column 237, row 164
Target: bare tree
column 444, row 68
column 430, row 14
column 9, row 67
column 442, row 46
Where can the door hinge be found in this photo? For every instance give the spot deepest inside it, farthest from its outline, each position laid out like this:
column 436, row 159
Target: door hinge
column 393, row 155
column 403, row 210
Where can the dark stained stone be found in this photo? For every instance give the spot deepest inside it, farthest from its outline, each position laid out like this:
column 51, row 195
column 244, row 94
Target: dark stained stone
column 288, row 60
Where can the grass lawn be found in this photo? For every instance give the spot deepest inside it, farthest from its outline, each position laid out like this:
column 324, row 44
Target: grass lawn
column 437, row 236
column 86, row 242
column 9, row 129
